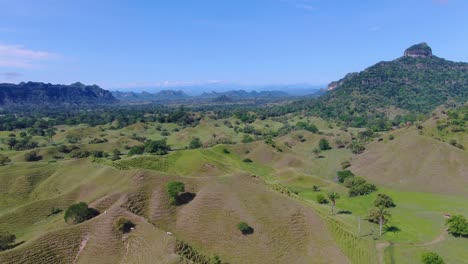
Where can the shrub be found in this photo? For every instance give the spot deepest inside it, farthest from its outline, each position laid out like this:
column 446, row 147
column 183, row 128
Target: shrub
column 342, row 175
column 158, row 147
column 32, row 156
column 136, row 150
column 123, row 224
column 457, row 225
column 79, row 154
column 226, row 151
column 345, row 164
column 6, row 240
column 431, row 258
column 391, row 137
column 324, row 144
column 79, row 212
column 384, row 200
column 321, row 199
column 362, row 189
column 357, row 147
column 173, row 189
column 316, row 188
column 4, row 160
column 244, row 228
column 309, row 127
column 195, row 143
column 247, row 160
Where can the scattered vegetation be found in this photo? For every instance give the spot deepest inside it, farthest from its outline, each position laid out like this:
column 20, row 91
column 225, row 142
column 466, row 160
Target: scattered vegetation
column 173, row 189
column 79, row 212
column 6, row 240
column 431, row 258
column 245, row 228
column 457, row 225
column 123, row 225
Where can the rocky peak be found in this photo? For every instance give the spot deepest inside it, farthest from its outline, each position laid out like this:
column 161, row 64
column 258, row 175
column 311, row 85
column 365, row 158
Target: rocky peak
column 419, row 50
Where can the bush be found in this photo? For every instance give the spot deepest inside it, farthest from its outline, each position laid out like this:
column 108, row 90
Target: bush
column 123, row 224
column 79, row 212
column 173, row 189
column 6, row 240
column 226, row 151
column 137, row 150
column 309, row 127
column 195, row 143
column 32, row 156
column 4, row 160
column 321, row 199
column 345, row 165
column 384, row 200
column 431, row 258
column 342, row 175
column 324, row 144
column 79, row 154
column 391, row 137
column 316, row 188
column 362, row 189
column 457, row 225
column 158, row 147
column 244, row 228
column 357, row 147
column 247, row 160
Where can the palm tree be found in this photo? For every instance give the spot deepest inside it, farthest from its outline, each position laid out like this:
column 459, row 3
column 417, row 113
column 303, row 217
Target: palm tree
column 333, row 196
column 383, row 215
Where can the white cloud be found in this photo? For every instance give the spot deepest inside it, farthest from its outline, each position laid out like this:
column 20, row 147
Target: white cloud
column 15, row 56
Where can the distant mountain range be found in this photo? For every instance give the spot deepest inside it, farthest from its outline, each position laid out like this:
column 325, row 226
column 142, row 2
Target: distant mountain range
column 228, row 96
column 43, row 94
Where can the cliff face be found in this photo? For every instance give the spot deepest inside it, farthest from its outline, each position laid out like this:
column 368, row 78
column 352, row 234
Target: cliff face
column 37, row 93
column 418, row 50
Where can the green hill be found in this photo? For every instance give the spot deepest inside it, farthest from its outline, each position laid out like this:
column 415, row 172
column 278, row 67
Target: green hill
column 413, row 84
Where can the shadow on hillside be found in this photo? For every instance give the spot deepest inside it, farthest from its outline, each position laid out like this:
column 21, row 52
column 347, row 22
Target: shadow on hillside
column 344, row 212
column 392, row 229
column 185, row 198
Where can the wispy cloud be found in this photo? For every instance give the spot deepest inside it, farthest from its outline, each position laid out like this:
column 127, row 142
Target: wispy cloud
column 301, row 4
column 15, row 56
column 8, row 76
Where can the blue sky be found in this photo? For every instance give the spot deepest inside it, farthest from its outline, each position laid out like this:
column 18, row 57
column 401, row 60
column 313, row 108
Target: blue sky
column 135, row 44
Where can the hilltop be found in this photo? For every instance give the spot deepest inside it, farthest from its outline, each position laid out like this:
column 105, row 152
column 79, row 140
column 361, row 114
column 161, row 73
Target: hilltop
column 416, row 83
column 40, row 94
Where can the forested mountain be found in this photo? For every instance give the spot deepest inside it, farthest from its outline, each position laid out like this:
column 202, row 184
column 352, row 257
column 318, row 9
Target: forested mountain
column 40, row 94
column 160, row 96
column 415, row 83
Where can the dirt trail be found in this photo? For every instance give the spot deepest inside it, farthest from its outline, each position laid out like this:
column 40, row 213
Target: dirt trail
column 382, row 245
column 82, row 246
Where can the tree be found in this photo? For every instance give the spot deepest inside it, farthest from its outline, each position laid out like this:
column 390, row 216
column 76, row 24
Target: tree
column 244, row 228
column 384, row 200
column 333, row 196
column 342, row 175
column 321, row 199
column 4, row 160
column 79, row 212
column 432, row 258
column 195, row 143
column 457, row 225
column 158, row 147
column 123, row 224
column 324, row 144
column 379, row 215
column 32, row 156
column 6, row 240
column 136, row 150
column 173, row 189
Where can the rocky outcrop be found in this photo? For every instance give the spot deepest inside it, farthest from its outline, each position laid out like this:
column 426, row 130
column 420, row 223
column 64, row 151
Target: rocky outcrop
column 418, row 50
